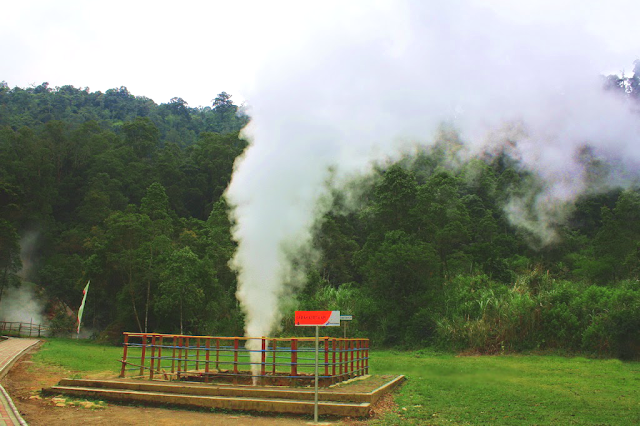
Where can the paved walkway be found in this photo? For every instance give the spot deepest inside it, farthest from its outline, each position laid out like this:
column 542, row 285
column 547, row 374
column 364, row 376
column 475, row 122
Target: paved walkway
column 10, row 351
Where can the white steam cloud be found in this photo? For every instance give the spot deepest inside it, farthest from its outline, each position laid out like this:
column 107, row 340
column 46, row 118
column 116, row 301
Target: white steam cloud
column 365, row 82
column 23, row 304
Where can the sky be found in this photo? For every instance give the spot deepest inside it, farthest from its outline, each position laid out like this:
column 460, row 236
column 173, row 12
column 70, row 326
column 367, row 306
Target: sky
column 360, row 84
column 197, row 49
column 334, row 87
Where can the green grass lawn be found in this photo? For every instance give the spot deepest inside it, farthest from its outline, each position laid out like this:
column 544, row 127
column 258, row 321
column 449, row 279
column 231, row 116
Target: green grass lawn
column 80, row 356
column 511, row 390
column 443, row 389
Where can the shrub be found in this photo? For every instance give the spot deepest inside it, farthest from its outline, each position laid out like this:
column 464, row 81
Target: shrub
column 488, row 317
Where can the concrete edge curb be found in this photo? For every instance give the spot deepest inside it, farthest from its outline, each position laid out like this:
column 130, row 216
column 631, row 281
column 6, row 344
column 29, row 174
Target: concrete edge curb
column 387, row 387
column 12, row 407
column 15, row 358
column 3, row 391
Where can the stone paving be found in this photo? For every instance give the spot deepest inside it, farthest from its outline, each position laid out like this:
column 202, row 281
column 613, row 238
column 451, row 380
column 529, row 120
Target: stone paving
column 10, row 350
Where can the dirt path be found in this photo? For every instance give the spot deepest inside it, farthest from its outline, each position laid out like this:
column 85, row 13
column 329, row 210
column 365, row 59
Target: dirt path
column 26, row 379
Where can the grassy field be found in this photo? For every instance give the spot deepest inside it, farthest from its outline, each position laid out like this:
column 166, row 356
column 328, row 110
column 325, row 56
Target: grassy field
column 443, row 389
column 511, row 390
column 79, row 356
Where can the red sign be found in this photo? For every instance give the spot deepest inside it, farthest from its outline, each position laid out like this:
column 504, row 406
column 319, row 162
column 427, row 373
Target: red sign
column 319, row 318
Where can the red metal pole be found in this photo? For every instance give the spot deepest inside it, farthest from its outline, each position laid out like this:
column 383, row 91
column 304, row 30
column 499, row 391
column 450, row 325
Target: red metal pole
column 274, row 356
column 173, row 356
column 124, row 354
column 186, row 354
column 153, row 355
column 235, row 355
column 144, row 349
column 340, row 347
column 366, row 361
column 333, row 363
column 179, row 355
column 294, row 357
column 218, row 354
column 198, row 353
column 263, row 370
column 326, row 356
column 207, row 347
column 352, row 356
column 159, row 365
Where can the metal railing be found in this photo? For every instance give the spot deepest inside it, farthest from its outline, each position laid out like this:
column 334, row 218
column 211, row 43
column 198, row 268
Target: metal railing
column 15, row 328
column 254, row 360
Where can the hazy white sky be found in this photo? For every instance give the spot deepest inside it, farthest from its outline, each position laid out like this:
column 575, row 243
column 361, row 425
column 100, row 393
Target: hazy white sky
column 196, row 49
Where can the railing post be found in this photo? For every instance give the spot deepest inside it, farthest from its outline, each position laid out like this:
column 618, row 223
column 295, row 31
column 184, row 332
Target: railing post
column 207, row 346
column 235, row 355
column 236, row 345
column 352, row 347
column 124, row 354
column 340, row 346
column 173, row 357
column 179, row 355
column 142, row 357
column 274, row 356
column 294, row 357
column 326, row 356
column 159, row 364
column 333, row 363
column 153, row 354
column 186, row 354
column 263, row 370
column 218, row 354
column 366, row 361
column 198, row 354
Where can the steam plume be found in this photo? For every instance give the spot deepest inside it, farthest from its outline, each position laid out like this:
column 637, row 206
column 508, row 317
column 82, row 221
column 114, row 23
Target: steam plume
column 365, row 83
column 22, row 304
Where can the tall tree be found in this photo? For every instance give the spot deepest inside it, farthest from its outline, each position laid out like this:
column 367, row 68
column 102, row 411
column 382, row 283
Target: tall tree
column 180, row 295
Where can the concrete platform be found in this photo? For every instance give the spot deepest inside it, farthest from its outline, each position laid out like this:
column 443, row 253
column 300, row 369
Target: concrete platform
column 242, row 398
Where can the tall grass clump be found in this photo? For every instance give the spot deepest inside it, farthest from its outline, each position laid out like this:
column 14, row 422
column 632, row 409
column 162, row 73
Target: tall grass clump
column 537, row 312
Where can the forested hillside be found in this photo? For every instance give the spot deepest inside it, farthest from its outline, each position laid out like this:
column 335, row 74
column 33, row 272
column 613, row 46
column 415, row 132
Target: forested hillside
column 127, row 193
column 119, row 190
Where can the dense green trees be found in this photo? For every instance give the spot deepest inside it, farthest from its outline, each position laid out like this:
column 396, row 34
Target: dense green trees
column 115, row 200
column 128, row 194
column 434, row 261
column 9, row 256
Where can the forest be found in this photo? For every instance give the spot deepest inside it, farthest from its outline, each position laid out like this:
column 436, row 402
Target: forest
column 116, row 189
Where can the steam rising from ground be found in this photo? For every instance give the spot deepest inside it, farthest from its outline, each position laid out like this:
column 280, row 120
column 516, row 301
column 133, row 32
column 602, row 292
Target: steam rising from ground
column 22, row 304
column 366, row 83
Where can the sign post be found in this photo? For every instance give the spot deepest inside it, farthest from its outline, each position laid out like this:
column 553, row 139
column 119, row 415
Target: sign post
column 315, row 392
column 346, row 318
column 317, row 319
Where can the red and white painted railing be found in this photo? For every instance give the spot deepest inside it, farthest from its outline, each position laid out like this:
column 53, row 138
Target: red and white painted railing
column 170, row 356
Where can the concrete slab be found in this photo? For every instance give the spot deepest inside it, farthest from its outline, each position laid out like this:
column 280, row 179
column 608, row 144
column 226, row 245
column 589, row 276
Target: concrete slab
column 243, row 398
column 221, row 402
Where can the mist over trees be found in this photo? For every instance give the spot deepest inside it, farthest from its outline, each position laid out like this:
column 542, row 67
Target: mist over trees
column 129, row 194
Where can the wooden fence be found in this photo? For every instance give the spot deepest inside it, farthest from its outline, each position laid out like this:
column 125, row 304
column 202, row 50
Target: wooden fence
column 14, row 328
column 242, row 359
